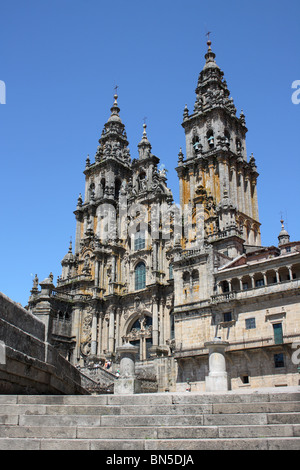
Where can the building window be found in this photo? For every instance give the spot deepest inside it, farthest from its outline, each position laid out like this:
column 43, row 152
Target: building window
column 195, row 276
column 227, row 137
column 279, row 360
column 278, row 335
column 117, row 188
column 210, row 139
column 245, row 285
column 245, row 379
column 225, row 287
column 139, row 241
column 172, row 329
column 140, row 276
column 186, row 278
column 250, row 323
column 259, row 283
column 227, row 316
column 288, row 249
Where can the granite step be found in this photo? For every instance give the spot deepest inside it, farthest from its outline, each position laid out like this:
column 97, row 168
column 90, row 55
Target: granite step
column 154, row 399
column 150, row 432
column 152, row 444
column 143, row 410
column 268, row 420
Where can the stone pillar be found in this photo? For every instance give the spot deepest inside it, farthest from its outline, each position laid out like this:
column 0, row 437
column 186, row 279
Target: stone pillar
column 217, row 380
column 111, row 332
column 155, row 321
column 127, row 383
column 97, row 273
column 94, row 334
column 99, row 345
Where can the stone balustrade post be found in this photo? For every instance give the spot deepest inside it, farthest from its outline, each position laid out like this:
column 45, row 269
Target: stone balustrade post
column 217, row 379
column 127, row 383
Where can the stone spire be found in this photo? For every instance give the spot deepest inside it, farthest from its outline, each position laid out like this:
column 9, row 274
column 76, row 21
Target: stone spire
column 113, row 141
column 283, row 236
column 144, row 146
column 212, row 91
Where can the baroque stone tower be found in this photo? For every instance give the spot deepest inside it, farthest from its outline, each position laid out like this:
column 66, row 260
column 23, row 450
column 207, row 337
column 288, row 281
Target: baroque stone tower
column 216, row 174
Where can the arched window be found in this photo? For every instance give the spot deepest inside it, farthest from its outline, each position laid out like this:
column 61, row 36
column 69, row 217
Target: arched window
column 140, row 276
column 117, row 188
column 102, row 187
column 210, row 139
column 227, row 137
column 196, row 143
column 139, row 240
column 195, row 276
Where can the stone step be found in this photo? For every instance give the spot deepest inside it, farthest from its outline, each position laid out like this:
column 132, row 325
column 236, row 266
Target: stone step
column 151, row 444
column 153, row 399
column 165, row 421
column 150, row 432
column 30, row 409
column 143, row 410
column 182, row 409
column 218, row 419
column 83, row 416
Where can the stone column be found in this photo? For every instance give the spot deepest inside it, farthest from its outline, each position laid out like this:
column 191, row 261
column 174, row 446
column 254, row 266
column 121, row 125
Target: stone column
column 97, row 273
column 155, row 322
column 265, row 278
column 111, row 332
column 99, row 350
column 94, row 334
column 127, row 383
column 217, row 380
column 118, row 318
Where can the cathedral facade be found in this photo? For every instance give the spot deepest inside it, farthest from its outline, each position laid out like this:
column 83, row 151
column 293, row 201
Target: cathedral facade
column 170, row 277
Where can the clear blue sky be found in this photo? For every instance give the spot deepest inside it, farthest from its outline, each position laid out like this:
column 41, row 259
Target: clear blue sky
column 60, row 61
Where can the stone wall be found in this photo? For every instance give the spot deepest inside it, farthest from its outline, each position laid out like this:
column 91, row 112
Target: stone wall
column 30, row 365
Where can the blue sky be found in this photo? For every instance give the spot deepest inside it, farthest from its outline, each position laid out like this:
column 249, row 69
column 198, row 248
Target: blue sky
column 60, row 61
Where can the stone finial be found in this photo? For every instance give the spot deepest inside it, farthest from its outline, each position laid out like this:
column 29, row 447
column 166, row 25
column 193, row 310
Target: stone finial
column 283, row 236
column 35, row 284
column 79, row 200
column 180, row 156
column 185, row 112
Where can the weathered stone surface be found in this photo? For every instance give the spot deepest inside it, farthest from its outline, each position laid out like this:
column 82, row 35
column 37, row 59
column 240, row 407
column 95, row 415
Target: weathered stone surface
column 31, row 365
column 59, row 422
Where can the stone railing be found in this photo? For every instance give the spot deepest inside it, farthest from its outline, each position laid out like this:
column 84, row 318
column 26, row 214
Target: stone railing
column 225, row 297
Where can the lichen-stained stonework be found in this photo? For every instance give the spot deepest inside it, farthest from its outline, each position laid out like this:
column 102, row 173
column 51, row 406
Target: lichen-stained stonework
column 169, row 278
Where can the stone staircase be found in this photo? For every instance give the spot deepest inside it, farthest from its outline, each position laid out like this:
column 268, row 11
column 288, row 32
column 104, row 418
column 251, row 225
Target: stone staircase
column 264, row 419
